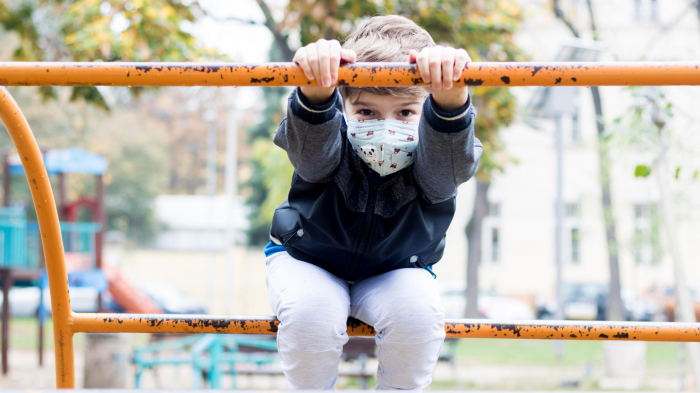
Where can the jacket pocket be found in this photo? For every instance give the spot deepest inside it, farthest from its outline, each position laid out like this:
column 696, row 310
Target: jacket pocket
column 286, row 226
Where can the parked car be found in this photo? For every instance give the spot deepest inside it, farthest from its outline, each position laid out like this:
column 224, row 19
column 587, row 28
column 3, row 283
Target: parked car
column 589, row 301
column 665, row 296
column 491, row 305
column 170, row 299
column 24, row 301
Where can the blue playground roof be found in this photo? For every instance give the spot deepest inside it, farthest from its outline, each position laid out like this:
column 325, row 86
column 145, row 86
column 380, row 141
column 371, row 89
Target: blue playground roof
column 72, row 160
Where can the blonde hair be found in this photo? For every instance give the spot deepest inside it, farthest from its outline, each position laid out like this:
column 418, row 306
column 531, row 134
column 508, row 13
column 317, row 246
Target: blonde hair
column 387, row 38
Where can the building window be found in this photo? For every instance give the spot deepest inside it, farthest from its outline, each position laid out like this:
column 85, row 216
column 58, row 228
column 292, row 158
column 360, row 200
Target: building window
column 494, row 210
column 575, row 246
column 654, row 10
column 646, row 11
column 495, row 250
column 638, row 10
column 575, row 129
column 572, row 233
column 573, row 210
column 491, row 234
column 646, row 245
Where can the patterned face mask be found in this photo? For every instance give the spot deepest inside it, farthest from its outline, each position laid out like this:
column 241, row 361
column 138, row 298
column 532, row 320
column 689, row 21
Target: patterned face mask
column 387, row 146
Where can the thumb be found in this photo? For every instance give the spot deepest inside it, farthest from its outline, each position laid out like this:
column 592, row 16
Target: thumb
column 348, row 55
column 412, row 56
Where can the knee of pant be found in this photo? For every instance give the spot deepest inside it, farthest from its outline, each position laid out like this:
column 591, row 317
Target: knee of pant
column 414, row 323
column 311, row 329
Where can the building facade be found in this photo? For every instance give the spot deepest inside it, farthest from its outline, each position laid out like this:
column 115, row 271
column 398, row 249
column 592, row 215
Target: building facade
column 518, row 249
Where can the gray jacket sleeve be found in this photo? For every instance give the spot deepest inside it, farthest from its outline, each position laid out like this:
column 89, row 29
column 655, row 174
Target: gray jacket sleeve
column 448, row 152
column 311, row 136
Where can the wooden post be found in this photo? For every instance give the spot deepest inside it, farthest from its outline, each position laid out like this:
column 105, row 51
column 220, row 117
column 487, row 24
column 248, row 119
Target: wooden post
column 61, row 196
column 6, row 275
column 101, row 217
column 6, row 179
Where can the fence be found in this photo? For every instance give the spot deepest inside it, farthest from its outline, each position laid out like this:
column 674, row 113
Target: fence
column 67, row 323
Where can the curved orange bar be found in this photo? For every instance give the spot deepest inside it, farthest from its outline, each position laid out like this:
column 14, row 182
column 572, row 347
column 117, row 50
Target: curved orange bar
column 45, row 206
column 358, row 74
column 472, row 328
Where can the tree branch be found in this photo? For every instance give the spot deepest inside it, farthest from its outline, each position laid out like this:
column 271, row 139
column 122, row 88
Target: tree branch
column 280, row 39
column 560, row 14
column 232, row 18
column 593, row 28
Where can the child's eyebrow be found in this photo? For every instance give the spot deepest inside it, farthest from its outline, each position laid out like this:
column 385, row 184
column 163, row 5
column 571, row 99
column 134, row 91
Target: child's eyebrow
column 361, row 103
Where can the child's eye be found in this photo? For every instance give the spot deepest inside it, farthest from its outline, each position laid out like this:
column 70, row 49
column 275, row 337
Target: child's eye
column 365, row 112
column 406, row 112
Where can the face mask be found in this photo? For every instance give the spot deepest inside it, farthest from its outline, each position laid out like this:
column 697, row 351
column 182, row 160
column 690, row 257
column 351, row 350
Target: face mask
column 387, row 146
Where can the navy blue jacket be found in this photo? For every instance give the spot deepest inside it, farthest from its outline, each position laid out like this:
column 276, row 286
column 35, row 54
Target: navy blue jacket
column 344, row 218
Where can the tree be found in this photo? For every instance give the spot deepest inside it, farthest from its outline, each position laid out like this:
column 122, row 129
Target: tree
column 653, row 135
column 113, row 30
column 615, row 310
column 92, row 30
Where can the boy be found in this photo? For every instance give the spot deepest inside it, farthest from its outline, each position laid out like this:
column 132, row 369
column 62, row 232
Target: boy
column 373, row 193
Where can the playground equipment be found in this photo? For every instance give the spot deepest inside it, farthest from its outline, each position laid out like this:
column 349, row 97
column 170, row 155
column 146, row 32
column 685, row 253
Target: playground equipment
column 21, row 255
column 66, row 323
column 211, row 355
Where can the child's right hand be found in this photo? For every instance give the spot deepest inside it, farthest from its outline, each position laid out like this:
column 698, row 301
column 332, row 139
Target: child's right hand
column 320, row 61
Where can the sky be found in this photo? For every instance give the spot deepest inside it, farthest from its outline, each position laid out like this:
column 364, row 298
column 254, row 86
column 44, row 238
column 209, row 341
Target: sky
column 242, row 42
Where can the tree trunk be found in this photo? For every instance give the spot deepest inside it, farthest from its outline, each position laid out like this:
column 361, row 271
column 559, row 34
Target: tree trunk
column 684, row 303
column 473, row 232
column 615, row 311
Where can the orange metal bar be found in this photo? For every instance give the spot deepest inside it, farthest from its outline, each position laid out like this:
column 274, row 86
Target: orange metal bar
column 39, row 184
column 473, row 328
column 359, row 74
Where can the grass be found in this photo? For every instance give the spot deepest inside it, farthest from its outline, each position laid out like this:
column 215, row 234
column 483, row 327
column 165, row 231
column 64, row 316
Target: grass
column 541, row 352
column 24, row 334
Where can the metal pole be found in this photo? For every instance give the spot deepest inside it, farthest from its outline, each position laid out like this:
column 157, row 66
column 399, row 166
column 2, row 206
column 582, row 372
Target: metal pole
column 356, row 74
column 6, row 179
column 473, row 328
column 6, row 285
column 210, row 116
column 559, row 229
column 45, row 207
column 231, row 190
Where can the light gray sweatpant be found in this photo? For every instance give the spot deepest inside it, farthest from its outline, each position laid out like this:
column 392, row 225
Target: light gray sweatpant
column 313, row 306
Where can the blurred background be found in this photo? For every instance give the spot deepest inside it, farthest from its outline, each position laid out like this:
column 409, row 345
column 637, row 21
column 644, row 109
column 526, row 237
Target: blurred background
column 586, row 205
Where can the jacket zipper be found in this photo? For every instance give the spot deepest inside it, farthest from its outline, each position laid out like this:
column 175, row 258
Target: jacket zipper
column 367, row 225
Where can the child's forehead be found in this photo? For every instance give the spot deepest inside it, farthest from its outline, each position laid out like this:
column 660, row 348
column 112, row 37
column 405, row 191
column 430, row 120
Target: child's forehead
column 367, row 98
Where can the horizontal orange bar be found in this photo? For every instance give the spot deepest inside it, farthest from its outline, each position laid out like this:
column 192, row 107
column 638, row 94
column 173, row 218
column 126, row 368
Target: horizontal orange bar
column 473, row 328
column 358, row 74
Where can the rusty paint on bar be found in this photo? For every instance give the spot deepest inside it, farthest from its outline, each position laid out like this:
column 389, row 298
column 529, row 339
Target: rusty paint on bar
column 472, row 328
column 45, row 206
column 359, row 74
column 156, row 323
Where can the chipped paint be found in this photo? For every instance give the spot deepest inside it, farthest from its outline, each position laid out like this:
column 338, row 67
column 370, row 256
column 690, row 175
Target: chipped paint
column 357, row 74
column 26, row 145
column 289, row 74
column 464, row 328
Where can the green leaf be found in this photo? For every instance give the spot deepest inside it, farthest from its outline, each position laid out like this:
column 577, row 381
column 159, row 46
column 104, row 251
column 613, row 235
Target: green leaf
column 695, row 175
column 642, row 171
column 678, row 171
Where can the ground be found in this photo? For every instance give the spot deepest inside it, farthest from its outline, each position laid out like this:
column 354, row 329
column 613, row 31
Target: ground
column 480, row 363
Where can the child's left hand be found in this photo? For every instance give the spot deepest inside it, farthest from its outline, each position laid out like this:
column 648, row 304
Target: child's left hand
column 441, row 66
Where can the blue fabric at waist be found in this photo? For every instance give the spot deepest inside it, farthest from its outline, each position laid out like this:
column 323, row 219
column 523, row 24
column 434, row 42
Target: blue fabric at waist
column 272, row 248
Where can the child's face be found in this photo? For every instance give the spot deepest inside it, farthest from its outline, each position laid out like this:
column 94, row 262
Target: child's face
column 369, row 106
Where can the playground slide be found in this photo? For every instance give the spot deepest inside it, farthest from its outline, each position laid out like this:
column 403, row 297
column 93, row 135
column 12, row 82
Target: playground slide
column 127, row 296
